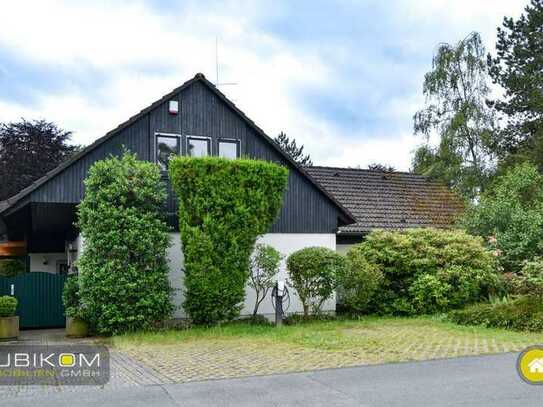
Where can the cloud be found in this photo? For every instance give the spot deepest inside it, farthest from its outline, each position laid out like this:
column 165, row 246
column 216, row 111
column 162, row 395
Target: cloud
column 342, row 77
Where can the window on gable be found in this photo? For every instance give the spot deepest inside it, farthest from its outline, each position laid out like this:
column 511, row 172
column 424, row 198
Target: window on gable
column 166, row 146
column 198, row 147
column 229, row 149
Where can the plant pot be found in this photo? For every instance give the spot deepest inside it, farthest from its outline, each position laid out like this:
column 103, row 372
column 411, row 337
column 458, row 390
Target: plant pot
column 76, row 328
column 9, row 328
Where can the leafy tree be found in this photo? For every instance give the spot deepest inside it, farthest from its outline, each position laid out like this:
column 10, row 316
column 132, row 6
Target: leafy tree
column 381, row 167
column 264, row 267
column 224, row 205
column 518, row 68
column 511, row 212
column 291, row 148
column 455, row 90
column 314, row 273
column 123, row 270
column 28, row 150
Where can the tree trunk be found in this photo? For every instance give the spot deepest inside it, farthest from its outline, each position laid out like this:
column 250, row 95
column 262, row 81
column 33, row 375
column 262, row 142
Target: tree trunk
column 306, row 310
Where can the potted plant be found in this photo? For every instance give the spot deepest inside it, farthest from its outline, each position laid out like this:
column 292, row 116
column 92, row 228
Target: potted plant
column 9, row 322
column 76, row 326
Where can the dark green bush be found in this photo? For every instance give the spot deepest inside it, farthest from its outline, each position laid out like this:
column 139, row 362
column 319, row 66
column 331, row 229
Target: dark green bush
column 297, row 319
column 224, row 205
column 524, row 314
column 8, row 306
column 123, row 271
column 359, row 284
column 529, row 281
column 314, row 273
column 428, row 270
column 71, row 297
column 12, row 267
column 511, row 211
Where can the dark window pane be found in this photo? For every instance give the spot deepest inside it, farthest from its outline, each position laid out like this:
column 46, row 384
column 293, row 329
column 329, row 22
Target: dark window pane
column 165, row 148
column 198, row 147
column 228, row 149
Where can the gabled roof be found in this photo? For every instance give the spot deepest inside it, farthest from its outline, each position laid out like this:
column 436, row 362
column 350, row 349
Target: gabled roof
column 389, row 200
column 347, row 217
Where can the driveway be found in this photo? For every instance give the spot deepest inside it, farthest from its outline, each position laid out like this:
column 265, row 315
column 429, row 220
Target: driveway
column 469, row 381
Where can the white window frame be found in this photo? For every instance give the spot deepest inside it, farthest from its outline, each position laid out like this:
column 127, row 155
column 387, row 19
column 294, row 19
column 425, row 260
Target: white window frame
column 189, row 137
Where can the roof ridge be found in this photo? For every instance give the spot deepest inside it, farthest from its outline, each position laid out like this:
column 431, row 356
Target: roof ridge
column 364, row 170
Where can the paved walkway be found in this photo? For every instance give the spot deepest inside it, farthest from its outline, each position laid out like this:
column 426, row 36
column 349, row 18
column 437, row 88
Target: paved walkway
column 472, row 381
column 125, row 371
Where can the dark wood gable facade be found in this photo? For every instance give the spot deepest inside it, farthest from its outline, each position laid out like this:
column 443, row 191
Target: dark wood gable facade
column 43, row 214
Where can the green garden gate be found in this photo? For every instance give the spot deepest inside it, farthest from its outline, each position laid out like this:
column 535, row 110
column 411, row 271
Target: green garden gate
column 40, row 298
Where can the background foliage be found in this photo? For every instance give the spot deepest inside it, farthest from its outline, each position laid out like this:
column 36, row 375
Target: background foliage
column 12, row 267
column 291, row 148
column 123, row 269
column 28, row 150
column 314, row 273
column 426, row 270
column 517, row 67
column 224, row 205
column 512, row 212
column 456, row 89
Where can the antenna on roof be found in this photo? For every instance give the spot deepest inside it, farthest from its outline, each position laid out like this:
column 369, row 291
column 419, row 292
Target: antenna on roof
column 217, row 83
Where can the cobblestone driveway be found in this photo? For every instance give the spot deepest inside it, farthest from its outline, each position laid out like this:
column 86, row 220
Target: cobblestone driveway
column 125, row 371
column 203, row 358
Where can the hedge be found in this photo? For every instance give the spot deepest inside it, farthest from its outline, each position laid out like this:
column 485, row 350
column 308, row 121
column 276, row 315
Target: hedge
column 123, row 270
column 224, row 205
column 425, row 270
column 521, row 314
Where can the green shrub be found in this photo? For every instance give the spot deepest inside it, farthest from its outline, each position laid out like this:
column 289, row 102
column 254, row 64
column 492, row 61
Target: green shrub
column 123, row 270
column 8, row 306
column 71, row 297
column 360, row 282
column 314, row 273
column 512, row 212
column 224, row 205
column 298, row 319
column 264, row 266
column 428, row 270
column 530, row 278
column 524, row 314
column 12, row 267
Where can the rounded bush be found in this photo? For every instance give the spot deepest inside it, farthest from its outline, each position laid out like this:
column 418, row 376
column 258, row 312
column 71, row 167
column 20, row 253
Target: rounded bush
column 8, row 306
column 314, row 273
column 428, row 270
column 360, row 282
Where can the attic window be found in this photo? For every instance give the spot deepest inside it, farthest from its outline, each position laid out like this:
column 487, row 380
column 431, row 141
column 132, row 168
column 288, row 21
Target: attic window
column 166, row 146
column 198, row 146
column 229, row 148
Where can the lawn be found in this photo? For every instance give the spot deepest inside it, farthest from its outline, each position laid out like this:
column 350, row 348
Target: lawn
column 241, row 350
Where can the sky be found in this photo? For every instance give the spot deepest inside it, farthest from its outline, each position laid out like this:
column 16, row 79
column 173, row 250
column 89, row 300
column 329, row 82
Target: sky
column 344, row 78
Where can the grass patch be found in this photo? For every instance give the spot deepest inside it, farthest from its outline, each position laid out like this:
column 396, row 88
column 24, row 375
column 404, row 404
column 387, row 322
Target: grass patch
column 330, row 335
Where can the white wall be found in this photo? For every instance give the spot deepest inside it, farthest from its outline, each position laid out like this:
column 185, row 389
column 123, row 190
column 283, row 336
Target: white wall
column 37, row 261
column 285, row 243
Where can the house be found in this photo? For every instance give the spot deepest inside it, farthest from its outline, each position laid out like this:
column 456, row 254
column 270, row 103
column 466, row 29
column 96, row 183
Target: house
column 387, row 200
column 536, row 366
column 194, row 119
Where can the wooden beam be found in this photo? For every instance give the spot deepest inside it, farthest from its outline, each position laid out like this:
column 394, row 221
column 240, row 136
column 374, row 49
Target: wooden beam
column 13, row 248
